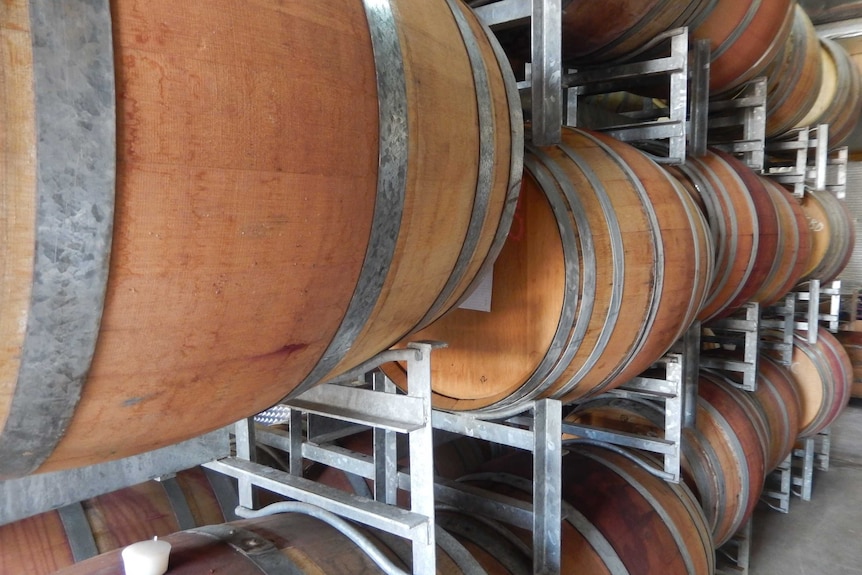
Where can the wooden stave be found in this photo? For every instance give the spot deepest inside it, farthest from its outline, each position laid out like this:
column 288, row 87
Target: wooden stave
column 795, row 77
column 745, row 38
column 76, row 445
column 39, row 545
column 554, row 360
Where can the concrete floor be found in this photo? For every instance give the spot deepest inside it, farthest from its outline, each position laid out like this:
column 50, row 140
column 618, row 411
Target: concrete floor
column 822, row 536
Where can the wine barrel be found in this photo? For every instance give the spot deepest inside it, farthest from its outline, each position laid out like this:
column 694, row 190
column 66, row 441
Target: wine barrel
column 606, row 265
column 597, row 32
column 852, row 343
column 769, row 234
column 298, row 543
column 720, row 183
column 618, row 516
column 794, row 246
column 723, row 458
column 745, row 37
column 839, row 100
column 779, row 401
column 794, row 76
column 833, row 235
column 823, row 375
column 43, row 543
column 269, row 226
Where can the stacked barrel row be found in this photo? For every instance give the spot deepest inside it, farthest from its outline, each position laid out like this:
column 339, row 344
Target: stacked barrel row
column 739, row 437
column 609, row 261
column 617, row 518
column 810, row 80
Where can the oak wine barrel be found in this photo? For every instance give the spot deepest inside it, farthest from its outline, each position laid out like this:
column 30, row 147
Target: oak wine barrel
column 201, row 216
column 794, row 77
column 794, row 246
column 839, row 99
column 745, row 37
column 619, row 517
column 298, row 543
column 823, row 375
column 779, row 401
column 44, row 543
column 833, row 235
column 723, row 458
column 596, row 32
column 606, row 265
column 852, row 342
column 719, row 183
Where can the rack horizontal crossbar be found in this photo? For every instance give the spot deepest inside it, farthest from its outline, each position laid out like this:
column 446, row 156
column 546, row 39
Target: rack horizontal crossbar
column 373, row 513
column 398, row 413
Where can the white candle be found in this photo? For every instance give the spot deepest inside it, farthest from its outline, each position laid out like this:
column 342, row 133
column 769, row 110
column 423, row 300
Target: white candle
column 146, row 557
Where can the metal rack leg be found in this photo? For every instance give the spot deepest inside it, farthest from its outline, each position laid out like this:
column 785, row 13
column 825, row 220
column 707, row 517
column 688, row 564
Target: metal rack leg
column 825, row 447
column 690, row 374
column 813, row 310
column 245, row 445
column 805, row 481
column 385, row 451
column 422, row 459
column 546, row 72
column 547, row 488
column 295, row 422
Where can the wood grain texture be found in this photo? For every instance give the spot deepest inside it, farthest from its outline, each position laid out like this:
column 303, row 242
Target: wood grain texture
column 248, row 162
column 745, row 37
column 17, row 190
column 661, row 271
column 39, row 545
column 730, row 210
column 794, row 77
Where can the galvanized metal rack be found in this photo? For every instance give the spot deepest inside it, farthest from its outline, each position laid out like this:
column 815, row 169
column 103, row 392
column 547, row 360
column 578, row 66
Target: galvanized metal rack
column 781, row 319
column 392, row 413
column 799, row 159
column 546, row 72
column 738, row 125
column 678, row 398
column 733, row 557
column 553, row 92
column 741, row 330
column 668, row 124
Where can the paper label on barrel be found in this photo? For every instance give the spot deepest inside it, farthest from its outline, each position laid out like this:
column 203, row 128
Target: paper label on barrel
column 480, row 298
